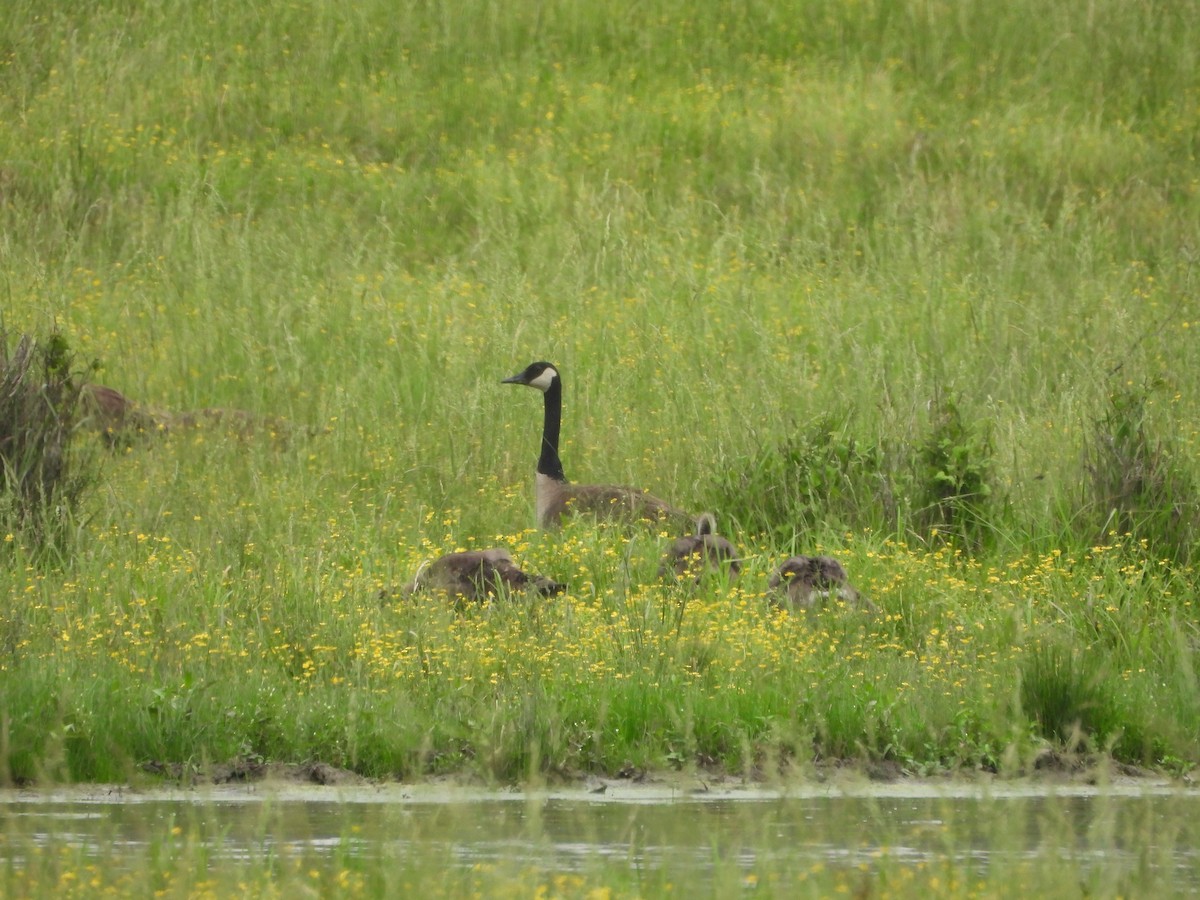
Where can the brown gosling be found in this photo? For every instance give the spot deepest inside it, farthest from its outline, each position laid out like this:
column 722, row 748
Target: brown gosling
column 474, row 575
column 120, row 420
column 694, row 554
column 556, row 496
column 802, row 582
column 114, row 415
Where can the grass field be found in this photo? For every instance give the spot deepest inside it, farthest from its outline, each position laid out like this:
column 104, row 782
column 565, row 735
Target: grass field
column 911, row 283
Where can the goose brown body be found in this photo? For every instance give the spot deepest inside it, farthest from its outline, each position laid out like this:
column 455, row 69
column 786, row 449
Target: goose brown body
column 802, row 582
column 476, row 574
column 557, row 497
column 114, row 415
column 120, row 420
column 693, row 554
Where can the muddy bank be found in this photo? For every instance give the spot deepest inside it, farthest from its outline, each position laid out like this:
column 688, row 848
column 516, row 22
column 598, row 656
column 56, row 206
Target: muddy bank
column 1049, row 765
column 675, row 789
column 1052, row 774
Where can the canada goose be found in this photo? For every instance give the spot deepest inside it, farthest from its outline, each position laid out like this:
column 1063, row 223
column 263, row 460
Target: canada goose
column 803, row 581
column 474, row 574
column 120, row 419
column 692, row 554
column 555, row 495
column 114, row 415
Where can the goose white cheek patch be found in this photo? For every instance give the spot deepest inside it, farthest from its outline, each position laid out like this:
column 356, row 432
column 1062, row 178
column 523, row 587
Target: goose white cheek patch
column 543, row 381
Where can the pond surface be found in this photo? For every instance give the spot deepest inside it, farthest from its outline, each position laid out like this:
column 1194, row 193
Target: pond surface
column 1130, row 834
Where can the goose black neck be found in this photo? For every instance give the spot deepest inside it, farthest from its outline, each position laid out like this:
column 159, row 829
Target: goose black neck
column 548, row 463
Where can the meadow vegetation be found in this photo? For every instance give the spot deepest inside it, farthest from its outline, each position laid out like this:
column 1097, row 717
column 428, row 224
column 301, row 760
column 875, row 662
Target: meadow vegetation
column 910, row 283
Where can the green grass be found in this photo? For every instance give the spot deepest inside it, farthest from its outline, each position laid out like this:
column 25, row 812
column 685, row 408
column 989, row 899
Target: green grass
column 750, row 235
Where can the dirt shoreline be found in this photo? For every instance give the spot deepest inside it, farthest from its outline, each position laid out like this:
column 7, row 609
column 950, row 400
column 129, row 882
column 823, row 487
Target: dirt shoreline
column 252, row 781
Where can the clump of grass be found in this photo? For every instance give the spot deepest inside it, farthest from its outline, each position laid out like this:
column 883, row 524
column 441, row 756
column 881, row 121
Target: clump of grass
column 1136, row 484
column 42, row 482
column 1065, row 692
column 821, row 477
column 954, row 474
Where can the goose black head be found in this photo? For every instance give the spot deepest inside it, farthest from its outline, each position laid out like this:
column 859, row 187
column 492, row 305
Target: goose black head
column 540, row 375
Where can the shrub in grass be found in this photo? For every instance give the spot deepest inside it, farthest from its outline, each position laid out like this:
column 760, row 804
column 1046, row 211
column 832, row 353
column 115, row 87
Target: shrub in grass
column 824, row 478
column 820, row 477
column 41, row 481
column 1136, row 484
column 954, row 474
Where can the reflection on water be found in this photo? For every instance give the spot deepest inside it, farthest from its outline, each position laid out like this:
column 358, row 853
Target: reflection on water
column 1125, row 834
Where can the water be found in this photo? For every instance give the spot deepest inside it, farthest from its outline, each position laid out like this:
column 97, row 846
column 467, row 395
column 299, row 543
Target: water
column 1136, row 832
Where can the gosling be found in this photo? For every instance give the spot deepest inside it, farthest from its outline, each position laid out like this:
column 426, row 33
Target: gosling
column 694, row 554
column 803, row 582
column 474, row 576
